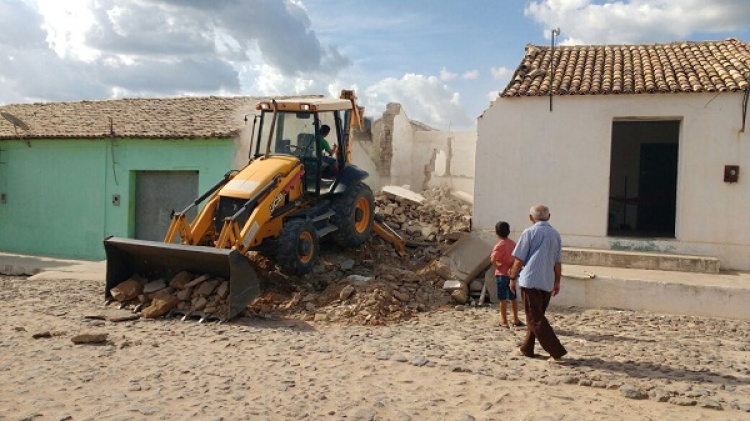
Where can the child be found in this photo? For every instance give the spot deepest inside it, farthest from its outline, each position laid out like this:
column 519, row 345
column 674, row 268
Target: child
column 502, row 259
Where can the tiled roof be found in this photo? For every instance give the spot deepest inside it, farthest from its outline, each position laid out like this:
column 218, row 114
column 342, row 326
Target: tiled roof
column 186, row 117
column 710, row 66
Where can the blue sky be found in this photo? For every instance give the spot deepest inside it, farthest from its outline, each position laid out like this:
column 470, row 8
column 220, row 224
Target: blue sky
column 442, row 60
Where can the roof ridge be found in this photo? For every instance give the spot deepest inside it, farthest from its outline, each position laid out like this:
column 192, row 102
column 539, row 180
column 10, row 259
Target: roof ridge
column 730, row 40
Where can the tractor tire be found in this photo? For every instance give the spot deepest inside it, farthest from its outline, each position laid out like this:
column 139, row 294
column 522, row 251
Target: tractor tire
column 355, row 211
column 298, row 247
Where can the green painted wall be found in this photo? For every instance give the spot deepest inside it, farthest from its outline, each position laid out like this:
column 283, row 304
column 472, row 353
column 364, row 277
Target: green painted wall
column 58, row 192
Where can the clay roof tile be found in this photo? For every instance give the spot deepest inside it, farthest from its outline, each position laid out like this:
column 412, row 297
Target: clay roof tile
column 185, row 117
column 633, row 69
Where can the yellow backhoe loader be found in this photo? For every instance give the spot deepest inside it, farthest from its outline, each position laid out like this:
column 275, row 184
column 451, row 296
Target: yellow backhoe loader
column 283, row 202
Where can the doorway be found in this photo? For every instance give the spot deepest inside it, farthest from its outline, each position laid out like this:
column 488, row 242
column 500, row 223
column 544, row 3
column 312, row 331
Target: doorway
column 157, row 194
column 643, row 178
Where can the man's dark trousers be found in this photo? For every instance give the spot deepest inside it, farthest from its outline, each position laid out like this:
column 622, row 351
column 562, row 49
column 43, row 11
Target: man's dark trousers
column 535, row 302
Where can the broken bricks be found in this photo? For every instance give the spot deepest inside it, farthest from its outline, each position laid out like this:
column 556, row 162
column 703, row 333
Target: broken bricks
column 185, row 293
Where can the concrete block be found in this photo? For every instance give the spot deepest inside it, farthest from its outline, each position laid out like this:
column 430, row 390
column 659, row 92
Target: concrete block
column 451, row 285
column 489, row 283
column 404, row 193
column 470, row 255
column 463, row 196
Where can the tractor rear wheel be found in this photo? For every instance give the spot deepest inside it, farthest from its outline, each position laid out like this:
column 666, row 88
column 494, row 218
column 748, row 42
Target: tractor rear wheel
column 355, row 211
column 298, row 247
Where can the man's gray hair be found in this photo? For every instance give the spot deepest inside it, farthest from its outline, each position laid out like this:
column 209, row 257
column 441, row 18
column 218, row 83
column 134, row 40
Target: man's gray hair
column 539, row 213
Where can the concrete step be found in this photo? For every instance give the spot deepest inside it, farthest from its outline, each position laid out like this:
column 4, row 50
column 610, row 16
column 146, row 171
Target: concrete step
column 723, row 294
column 640, row 260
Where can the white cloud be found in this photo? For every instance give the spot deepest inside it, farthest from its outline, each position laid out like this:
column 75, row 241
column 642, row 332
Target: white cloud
column 266, row 80
column 470, row 75
column 446, row 76
column 633, row 21
column 424, row 98
column 66, row 23
column 83, row 49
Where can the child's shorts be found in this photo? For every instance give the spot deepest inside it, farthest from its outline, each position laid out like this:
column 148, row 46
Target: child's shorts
column 503, row 288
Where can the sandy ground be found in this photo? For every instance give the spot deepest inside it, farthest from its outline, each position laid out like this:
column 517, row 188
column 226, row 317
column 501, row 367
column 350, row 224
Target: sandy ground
column 444, row 365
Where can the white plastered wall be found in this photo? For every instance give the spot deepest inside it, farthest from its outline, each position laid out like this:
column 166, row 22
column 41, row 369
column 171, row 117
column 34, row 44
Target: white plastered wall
column 242, row 142
column 527, row 154
column 444, row 159
column 402, row 163
column 424, row 159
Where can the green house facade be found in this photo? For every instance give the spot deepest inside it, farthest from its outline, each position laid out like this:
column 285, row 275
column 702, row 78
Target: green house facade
column 72, row 174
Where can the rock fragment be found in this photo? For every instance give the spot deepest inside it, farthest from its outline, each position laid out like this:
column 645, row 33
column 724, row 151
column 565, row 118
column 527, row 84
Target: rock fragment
column 127, row 290
column 89, row 338
column 160, row 305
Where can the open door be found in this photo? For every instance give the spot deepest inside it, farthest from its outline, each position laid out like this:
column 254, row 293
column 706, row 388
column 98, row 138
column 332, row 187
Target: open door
column 643, row 178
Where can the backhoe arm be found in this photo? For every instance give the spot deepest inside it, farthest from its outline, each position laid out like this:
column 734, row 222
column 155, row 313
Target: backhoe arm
column 194, row 233
column 388, row 234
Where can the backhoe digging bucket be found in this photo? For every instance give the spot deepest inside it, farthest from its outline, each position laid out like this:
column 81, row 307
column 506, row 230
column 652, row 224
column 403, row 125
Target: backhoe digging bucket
column 155, row 260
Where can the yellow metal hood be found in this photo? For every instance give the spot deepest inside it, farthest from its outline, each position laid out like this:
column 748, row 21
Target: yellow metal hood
column 257, row 175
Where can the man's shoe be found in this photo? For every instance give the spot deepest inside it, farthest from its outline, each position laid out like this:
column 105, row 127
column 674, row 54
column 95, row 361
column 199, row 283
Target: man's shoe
column 521, row 354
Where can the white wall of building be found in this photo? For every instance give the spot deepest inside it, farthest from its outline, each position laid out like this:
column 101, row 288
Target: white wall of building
column 526, row 154
column 242, row 143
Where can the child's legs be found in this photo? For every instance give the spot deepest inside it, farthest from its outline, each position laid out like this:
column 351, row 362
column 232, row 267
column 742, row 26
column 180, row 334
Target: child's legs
column 504, row 312
column 503, row 295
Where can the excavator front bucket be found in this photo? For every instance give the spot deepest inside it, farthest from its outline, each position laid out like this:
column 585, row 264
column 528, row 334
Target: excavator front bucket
column 155, row 260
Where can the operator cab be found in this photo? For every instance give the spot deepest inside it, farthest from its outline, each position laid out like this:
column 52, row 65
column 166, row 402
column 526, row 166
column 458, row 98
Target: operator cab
column 296, row 131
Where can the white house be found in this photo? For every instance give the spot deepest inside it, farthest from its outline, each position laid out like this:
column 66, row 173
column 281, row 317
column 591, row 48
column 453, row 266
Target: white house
column 633, row 147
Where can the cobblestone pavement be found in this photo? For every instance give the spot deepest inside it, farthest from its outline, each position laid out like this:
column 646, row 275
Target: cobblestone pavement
column 455, row 364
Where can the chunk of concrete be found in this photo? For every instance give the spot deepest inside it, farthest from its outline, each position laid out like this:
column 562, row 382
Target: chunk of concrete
column 490, row 284
column 403, row 193
column 452, row 285
column 463, row 196
column 470, row 255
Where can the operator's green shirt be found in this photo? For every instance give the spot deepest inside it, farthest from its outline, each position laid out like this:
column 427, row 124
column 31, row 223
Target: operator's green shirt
column 324, row 144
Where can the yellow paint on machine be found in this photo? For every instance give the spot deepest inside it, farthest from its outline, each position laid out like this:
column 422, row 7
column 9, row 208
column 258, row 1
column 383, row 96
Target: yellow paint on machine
column 254, row 177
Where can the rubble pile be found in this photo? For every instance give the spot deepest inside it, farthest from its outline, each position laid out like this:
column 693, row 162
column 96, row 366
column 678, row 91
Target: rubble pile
column 388, row 294
column 429, row 217
column 185, row 293
column 369, row 284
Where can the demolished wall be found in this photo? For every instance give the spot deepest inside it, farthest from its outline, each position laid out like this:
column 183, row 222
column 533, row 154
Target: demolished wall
column 399, row 151
column 444, row 159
